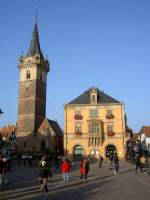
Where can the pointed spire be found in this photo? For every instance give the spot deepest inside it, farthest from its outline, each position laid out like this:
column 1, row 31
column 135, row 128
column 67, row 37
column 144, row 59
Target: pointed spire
column 35, row 44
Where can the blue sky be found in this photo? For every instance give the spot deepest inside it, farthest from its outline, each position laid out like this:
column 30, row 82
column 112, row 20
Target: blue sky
column 100, row 43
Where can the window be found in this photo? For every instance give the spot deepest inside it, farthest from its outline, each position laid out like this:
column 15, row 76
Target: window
column 28, row 74
column 93, row 113
column 77, row 112
column 109, row 112
column 94, row 141
column 93, row 98
column 27, row 91
column 89, row 142
column 109, row 128
column 78, row 115
column 94, row 128
column 77, row 129
column 41, row 76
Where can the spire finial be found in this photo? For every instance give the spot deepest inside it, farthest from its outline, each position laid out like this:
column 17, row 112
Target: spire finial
column 36, row 14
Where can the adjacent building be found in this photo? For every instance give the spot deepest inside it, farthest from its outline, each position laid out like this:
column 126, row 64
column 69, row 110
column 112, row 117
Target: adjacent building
column 144, row 137
column 8, row 139
column 94, row 124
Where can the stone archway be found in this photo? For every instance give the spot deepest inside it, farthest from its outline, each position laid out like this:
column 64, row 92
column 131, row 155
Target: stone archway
column 110, row 150
column 78, row 151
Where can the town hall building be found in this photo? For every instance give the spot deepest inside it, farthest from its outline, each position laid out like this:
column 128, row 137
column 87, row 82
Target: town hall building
column 94, row 124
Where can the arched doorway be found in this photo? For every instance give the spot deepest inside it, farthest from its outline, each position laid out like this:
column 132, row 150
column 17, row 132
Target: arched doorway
column 110, row 150
column 43, row 145
column 78, row 151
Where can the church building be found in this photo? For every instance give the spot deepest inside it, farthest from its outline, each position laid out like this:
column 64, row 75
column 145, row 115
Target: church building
column 35, row 133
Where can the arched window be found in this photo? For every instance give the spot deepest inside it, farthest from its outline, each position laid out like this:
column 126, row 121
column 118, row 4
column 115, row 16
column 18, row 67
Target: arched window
column 28, row 74
column 110, row 150
column 78, row 151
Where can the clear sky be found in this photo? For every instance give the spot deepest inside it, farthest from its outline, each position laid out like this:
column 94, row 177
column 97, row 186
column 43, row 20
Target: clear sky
column 102, row 43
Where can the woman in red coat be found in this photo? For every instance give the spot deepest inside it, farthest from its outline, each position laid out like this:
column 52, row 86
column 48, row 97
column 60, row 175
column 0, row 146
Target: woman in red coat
column 84, row 168
column 65, row 168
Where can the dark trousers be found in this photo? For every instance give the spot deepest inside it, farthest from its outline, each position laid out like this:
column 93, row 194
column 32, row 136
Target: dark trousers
column 44, row 184
column 100, row 164
column 85, row 175
column 138, row 165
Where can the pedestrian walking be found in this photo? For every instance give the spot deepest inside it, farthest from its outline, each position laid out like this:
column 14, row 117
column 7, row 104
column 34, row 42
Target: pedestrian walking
column 100, row 161
column 110, row 161
column 1, row 169
column 138, row 163
column 19, row 159
column 43, row 174
column 5, row 171
column 115, row 162
column 65, row 168
column 84, row 169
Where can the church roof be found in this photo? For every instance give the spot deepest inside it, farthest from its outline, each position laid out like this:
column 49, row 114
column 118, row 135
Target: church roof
column 35, row 44
column 55, row 126
column 84, row 98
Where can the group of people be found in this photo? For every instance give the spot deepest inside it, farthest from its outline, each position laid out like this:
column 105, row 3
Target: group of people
column 113, row 162
column 3, row 170
column 65, row 166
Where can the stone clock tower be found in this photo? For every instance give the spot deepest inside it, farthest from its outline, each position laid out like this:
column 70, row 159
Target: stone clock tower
column 33, row 69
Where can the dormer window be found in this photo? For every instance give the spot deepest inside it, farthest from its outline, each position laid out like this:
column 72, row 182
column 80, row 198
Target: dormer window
column 93, row 96
column 28, row 74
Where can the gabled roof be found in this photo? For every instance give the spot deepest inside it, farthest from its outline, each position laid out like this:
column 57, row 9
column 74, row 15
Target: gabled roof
column 35, row 44
column 146, row 131
column 55, row 126
column 84, row 98
column 8, row 130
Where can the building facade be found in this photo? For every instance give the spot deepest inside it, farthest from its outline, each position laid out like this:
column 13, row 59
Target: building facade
column 35, row 132
column 8, row 139
column 94, row 124
column 144, row 137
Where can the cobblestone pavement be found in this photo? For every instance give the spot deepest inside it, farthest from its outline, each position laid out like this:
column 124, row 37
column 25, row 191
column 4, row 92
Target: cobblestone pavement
column 102, row 185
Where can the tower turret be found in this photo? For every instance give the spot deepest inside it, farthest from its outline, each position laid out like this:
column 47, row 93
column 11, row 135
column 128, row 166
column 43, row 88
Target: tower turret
column 33, row 69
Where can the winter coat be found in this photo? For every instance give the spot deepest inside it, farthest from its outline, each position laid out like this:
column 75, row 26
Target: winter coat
column 84, row 168
column 65, row 167
column 1, row 166
column 116, row 159
column 5, row 168
column 44, row 173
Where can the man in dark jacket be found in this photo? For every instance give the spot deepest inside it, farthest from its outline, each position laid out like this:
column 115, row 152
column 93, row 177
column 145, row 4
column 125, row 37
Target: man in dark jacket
column 115, row 163
column 44, row 175
column 138, row 163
